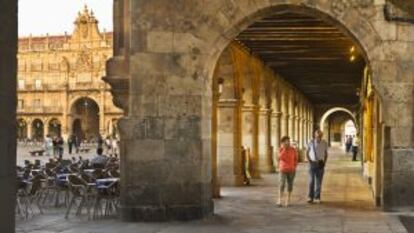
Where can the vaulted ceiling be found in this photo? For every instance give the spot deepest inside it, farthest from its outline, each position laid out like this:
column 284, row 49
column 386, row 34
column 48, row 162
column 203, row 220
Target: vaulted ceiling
column 311, row 54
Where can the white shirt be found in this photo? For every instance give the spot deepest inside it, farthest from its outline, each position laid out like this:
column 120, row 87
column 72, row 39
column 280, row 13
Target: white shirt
column 317, row 150
column 355, row 142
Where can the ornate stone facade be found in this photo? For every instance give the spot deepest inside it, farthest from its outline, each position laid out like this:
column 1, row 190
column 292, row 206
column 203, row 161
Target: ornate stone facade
column 60, row 87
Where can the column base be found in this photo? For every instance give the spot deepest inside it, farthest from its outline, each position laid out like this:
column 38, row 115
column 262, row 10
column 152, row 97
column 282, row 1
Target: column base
column 216, row 190
column 268, row 169
column 166, row 213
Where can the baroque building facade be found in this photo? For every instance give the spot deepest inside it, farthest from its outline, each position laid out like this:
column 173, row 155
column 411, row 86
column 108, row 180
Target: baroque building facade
column 60, row 87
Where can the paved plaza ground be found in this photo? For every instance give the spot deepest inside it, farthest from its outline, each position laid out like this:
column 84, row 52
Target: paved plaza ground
column 347, row 207
column 23, row 154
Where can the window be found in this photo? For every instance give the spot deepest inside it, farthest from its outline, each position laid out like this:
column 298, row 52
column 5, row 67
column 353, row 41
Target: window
column 20, row 104
column 38, row 84
column 21, row 84
column 36, row 103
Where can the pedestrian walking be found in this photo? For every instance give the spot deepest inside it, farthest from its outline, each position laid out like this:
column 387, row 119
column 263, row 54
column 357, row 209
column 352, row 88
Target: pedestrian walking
column 48, row 145
column 317, row 155
column 114, row 146
column 355, row 148
column 71, row 143
column 288, row 161
column 60, row 146
column 55, row 146
column 348, row 143
column 78, row 142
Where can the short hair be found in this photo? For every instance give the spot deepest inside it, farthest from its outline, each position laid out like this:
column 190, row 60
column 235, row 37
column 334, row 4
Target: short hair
column 284, row 138
column 99, row 151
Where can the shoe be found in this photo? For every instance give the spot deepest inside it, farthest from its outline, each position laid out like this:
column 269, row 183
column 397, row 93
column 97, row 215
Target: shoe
column 279, row 203
column 318, row 201
column 287, row 201
column 310, row 200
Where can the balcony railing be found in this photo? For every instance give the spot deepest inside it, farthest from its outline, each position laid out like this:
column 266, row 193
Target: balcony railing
column 42, row 109
column 97, row 85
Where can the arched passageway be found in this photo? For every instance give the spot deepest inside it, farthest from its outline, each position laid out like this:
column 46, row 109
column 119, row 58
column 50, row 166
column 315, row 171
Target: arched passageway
column 55, row 128
column 333, row 122
column 85, row 118
column 22, row 128
column 37, row 130
column 272, row 81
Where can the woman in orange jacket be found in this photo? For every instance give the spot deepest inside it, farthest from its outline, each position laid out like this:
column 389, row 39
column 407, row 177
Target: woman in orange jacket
column 288, row 161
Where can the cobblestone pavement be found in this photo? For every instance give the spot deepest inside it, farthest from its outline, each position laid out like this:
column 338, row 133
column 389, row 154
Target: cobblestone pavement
column 347, row 207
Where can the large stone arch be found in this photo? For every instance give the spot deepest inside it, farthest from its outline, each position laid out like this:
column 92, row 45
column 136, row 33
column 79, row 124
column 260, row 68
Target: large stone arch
column 336, row 109
column 341, row 14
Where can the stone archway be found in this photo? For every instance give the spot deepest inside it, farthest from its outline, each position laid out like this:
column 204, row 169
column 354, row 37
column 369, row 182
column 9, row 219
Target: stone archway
column 54, row 128
column 166, row 64
column 332, row 110
column 37, row 130
column 85, row 118
column 22, row 129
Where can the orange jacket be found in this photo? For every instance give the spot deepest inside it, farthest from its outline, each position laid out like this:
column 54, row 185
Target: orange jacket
column 288, row 159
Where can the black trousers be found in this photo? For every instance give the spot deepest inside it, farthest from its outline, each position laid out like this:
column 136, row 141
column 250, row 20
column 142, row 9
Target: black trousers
column 354, row 153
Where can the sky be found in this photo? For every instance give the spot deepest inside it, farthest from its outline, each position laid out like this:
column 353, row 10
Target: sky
column 38, row 17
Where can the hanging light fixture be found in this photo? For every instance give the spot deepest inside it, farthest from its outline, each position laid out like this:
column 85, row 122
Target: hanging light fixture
column 352, row 52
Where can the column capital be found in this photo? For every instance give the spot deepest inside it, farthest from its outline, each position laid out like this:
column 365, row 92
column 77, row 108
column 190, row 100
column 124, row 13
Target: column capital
column 228, row 103
column 250, row 108
column 276, row 114
column 265, row 111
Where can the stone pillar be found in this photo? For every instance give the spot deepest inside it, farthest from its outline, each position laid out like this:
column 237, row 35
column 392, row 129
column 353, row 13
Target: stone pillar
column 299, row 131
column 305, row 132
column 29, row 129
column 65, row 123
column 102, row 128
column 284, row 124
column 229, row 143
column 250, row 137
column 265, row 153
column 291, row 132
column 8, row 101
column 276, row 130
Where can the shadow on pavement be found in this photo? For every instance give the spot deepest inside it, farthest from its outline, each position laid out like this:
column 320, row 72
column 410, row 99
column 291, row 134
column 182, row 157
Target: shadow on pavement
column 408, row 222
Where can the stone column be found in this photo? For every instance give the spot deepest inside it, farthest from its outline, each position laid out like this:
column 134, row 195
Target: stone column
column 250, row 137
column 102, row 128
column 265, row 153
column 276, row 129
column 292, row 121
column 8, row 102
column 65, row 113
column 229, row 143
column 29, row 129
column 306, row 132
column 291, row 131
column 299, row 131
column 284, row 124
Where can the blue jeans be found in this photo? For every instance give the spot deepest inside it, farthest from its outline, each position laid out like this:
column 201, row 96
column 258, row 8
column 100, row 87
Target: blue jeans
column 315, row 180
